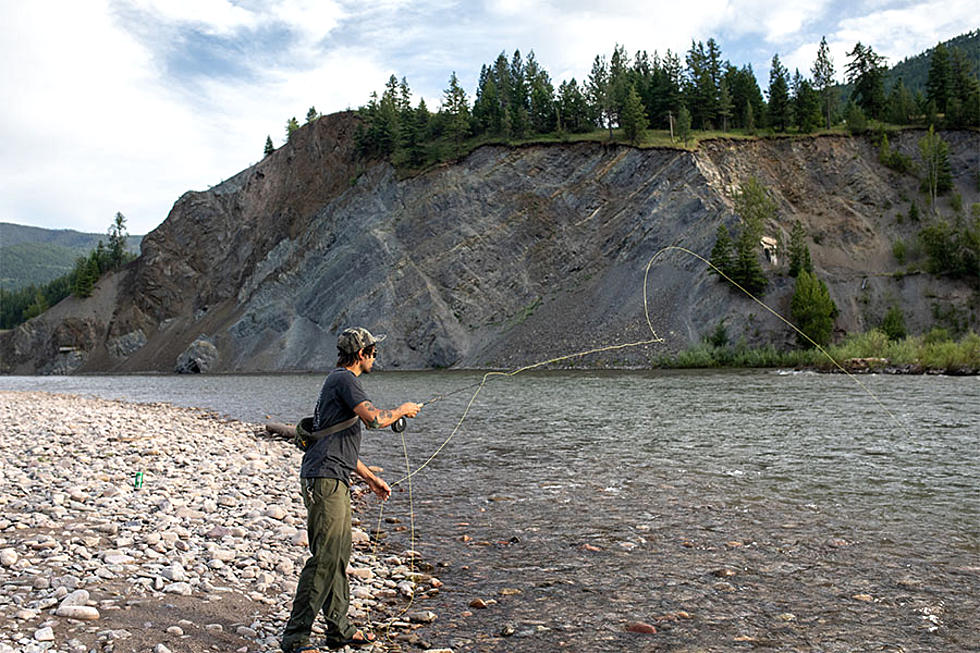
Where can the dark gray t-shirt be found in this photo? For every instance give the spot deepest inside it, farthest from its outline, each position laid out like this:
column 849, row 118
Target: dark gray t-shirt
column 335, row 456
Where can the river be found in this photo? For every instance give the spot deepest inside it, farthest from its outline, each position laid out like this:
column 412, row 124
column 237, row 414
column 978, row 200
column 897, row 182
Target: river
column 726, row 508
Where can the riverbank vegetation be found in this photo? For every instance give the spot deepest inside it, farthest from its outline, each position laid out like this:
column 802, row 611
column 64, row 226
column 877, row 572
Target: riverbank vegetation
column 935, row 351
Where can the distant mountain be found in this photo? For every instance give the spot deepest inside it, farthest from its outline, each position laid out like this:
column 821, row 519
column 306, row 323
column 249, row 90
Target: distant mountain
column 914, row 71
column 33, row 255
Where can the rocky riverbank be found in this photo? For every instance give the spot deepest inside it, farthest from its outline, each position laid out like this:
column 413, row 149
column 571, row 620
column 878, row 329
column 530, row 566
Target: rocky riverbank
column 148, row 527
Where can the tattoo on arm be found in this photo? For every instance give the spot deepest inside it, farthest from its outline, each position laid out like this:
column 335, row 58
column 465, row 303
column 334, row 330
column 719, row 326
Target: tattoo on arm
column 374, row 423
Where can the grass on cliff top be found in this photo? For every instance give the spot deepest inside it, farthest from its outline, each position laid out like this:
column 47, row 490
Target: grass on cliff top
column 444, row 150
column 935, row 350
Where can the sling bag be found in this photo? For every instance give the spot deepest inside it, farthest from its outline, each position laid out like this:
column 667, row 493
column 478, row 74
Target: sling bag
column 306, row 436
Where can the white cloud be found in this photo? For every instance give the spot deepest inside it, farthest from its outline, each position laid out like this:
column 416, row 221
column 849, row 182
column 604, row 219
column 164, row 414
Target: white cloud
column 86, row 115
column 216, row 16
column 908, row 30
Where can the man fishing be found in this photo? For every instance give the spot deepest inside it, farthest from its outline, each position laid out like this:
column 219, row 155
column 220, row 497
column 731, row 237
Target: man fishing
column 325, row 480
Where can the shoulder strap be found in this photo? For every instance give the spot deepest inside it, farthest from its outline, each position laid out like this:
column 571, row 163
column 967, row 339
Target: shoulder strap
column 334, row 428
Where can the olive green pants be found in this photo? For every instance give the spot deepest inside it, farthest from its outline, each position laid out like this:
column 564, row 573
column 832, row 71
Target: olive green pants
column 323, row 582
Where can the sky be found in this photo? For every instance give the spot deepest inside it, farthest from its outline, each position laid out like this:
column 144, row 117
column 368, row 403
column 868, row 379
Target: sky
column 123, row 105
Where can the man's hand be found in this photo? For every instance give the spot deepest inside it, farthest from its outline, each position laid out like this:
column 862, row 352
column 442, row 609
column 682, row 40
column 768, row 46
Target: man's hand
column 379, row 487
column 374, row 418
column 409, row 409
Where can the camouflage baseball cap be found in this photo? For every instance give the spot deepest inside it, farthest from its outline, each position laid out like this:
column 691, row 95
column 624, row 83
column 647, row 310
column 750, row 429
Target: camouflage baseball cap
column 355, row 339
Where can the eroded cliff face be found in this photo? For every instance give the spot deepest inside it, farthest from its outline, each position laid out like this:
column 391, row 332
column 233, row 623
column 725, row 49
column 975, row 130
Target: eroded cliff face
column 510, row 256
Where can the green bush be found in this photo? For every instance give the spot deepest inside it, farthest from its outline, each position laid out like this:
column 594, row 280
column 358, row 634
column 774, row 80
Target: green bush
column 956, row 203
column 899, row 251
column 894, row 324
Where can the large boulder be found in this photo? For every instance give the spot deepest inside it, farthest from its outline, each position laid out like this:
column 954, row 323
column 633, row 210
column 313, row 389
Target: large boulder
column 199, row 357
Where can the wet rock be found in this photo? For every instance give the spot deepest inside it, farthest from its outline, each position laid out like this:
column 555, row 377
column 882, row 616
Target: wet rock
column 507, row 630
column 422, row 617
column 478, row 604
column 642, row 628
column 867, row 598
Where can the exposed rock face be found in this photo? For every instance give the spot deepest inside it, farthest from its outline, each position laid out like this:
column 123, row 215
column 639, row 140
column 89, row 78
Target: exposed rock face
column 510, row 256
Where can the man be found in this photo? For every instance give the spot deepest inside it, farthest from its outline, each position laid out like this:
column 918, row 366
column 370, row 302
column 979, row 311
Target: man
column 325, row 481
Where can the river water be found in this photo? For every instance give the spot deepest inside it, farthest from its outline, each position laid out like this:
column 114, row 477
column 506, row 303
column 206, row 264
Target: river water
column 730, row 509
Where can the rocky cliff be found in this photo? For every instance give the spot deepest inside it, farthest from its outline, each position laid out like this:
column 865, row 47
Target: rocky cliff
column 509, row 256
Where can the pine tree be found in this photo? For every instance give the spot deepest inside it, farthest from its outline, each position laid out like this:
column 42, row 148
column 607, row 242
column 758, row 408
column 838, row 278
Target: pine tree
column 867, row 72
column 455, row 107
column 542, row 97
column 701, row 89
column 600, row 94
column 748, row 272
column 823, row 79
column 85, row 274
column 939, row 82
column 812, row 309
column 38, row 306
column 520, row 97
column 684, row 124
column 723, row 253
column 269, row 148
column 806, row 104
column 618, row 83
column 754, row 206
column 724, row 105
column 964, row 109
column 634, row 118
column 573, row 109
column 117, row 242
column 311, row 115
column 901, row 105
column 780, row 111
column 799, row 253
column 291, row 126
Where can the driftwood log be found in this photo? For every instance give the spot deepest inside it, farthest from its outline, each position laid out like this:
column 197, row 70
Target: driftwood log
column 285, row 431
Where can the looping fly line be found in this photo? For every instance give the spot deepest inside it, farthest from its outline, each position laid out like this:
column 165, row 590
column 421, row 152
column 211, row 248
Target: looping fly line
column 654, row 339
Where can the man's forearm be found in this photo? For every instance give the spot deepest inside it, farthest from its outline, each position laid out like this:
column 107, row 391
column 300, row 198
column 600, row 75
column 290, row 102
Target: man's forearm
column 363, row 471
column 375, row 418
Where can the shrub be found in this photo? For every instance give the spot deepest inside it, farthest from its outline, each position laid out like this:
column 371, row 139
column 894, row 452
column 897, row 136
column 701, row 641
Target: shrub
column 899, row 251
column 894, row 324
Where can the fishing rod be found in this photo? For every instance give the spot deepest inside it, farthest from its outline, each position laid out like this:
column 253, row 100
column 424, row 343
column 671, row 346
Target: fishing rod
column 400, row 424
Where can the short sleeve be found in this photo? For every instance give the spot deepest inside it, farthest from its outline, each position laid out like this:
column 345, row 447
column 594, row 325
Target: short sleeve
column 351, row 392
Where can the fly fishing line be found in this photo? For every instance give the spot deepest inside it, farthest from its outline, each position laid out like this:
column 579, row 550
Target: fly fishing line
column 655, row 339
